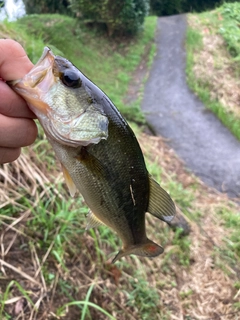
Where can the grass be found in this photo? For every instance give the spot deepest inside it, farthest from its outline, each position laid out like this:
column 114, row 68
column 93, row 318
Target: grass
column 54, row 231
column 52, row 268
column 71, row 265
column 230, row 27
column 109, row 64
column 211, row 71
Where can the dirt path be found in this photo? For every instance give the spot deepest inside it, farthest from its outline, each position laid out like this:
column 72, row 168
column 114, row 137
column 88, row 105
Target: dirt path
column 174, row 112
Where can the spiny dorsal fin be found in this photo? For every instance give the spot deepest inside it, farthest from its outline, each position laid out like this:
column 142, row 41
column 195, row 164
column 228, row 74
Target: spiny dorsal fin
column 71, row 186
column 93, row 221
column 160, row 204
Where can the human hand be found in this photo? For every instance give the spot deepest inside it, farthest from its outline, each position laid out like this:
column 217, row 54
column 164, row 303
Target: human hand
column 17, row 128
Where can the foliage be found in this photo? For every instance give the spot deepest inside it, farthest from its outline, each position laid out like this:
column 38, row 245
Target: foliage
column 165, row 7
column 230, row 29
column 109, row 65
column 47, row 6
column 124, row 17
column 143, row 296
column 49, row 267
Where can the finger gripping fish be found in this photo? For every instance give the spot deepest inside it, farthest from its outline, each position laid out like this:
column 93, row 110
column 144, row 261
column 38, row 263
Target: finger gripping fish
column 98, row 151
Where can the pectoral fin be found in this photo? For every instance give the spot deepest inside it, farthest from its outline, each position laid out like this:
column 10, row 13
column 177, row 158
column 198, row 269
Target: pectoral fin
column 147, row 249
column 91, row 162
column 71, row 186
column 93, row 221
column 160, row 204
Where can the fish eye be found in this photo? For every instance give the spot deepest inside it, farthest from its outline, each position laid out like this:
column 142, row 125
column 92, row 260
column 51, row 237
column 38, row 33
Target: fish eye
column 71, row 79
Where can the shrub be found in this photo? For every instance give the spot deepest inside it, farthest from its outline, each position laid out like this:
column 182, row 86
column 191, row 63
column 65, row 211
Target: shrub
column 47, row 6
column 166, row 7
column 124, row 17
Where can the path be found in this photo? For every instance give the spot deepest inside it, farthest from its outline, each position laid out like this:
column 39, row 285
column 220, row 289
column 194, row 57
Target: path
column 174, row 112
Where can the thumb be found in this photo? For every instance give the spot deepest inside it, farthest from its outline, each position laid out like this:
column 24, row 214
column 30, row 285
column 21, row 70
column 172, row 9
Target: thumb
column 14, row 62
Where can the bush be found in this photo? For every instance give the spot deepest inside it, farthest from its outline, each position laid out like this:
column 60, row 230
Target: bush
column 47, row 6
column 230, row 27
column 168, row 7
column 124, row 17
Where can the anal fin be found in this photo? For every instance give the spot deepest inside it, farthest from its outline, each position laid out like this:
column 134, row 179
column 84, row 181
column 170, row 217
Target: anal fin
column 93, row 221
column 160, row 204
column 71, row 186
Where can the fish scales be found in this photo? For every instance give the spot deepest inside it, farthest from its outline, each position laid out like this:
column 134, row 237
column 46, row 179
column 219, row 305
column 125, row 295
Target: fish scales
column 98, row 151
column 110, row 189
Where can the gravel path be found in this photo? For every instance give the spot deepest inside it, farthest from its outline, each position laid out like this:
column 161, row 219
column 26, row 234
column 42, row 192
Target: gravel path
column 174, row 112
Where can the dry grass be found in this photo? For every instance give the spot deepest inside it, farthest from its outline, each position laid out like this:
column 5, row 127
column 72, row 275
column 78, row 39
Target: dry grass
column 214, row 65
column 193, row 279
column 202, row 290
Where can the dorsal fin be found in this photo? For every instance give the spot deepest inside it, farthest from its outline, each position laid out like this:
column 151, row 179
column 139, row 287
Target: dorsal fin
column 71, row 186
column 160, row 204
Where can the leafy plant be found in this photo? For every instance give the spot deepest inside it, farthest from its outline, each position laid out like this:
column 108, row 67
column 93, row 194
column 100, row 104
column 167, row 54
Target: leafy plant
column 124, row 17
column 143, row 296
column 230, row 27
column 109, row 65
column 47, row 6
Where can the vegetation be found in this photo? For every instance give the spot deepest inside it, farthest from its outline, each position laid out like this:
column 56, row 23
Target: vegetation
column 113, row 61
column 165, row 7
column 51, row 268
column 124, row 17
column 47, row 6
column 118, row 17
column 213, row 62
column 230, row 28
column 114, row 14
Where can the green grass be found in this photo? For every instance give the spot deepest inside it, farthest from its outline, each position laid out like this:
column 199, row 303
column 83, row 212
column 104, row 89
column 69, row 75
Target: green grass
column 230, row 27
column 232, row 222
column 108, row 63
column 7, row 295
column 56, row 227
column 202, row 88
column 143, row 297
column 62, row 311
column 74, row 261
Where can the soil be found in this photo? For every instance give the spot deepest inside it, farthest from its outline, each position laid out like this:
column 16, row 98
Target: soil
column 208, row 149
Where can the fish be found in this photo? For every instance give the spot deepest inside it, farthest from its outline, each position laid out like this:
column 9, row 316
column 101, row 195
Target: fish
column 99, row 153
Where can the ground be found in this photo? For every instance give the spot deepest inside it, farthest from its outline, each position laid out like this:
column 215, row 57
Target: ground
column 173, row 111
column 49, row 269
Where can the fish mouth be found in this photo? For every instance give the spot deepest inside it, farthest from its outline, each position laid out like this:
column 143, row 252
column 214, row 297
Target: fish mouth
column 37, row 82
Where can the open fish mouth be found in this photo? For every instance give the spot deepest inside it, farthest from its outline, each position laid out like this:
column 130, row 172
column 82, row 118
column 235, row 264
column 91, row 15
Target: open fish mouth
column 37, row 82
column 112, row 176
column 54, row 91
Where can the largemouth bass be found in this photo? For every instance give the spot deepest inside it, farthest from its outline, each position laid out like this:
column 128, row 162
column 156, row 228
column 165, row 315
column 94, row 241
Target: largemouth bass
column 98, row 151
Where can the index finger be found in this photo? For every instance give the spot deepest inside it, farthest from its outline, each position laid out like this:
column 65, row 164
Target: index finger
column 14, row 62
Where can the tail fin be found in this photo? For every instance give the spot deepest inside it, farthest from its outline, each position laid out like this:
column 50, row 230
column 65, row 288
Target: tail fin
column 147, row 249
column 160, row 204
